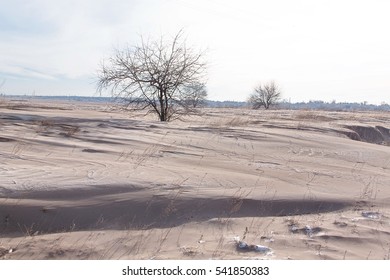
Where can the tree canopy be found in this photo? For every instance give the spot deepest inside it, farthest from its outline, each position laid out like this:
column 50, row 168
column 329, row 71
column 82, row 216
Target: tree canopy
column 265, row 95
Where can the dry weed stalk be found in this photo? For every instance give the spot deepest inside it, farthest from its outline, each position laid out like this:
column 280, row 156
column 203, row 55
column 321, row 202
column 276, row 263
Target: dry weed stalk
column 150, row 152
column 311, row 178
column 217, row 251
column 163, row 239
column 29, row 230
column 19, row 147
column 124, row 155
column 369, row 190
column 238, row 200
column 190, row 251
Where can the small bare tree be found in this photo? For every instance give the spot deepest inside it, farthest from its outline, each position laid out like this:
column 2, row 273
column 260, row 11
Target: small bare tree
column 155, row 75
column 195, row 95
column 1, row 85
column 265, row 95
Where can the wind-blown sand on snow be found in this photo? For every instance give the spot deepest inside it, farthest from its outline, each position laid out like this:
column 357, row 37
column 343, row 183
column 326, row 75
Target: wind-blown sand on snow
column 83, row 181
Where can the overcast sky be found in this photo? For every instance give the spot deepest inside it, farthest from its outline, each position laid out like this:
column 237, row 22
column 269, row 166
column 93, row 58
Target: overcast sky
column 314, row 49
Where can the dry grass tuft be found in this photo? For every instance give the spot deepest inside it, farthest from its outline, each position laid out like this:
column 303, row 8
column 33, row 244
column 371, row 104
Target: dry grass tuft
column 312, row 115
column 48, row 126
column 190, row 251
column 230, row 122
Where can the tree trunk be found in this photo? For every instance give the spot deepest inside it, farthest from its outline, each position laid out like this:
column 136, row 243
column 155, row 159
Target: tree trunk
column 166, row 106
column 162, row 109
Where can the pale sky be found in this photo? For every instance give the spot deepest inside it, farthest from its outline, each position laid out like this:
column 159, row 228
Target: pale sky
column 314, row 49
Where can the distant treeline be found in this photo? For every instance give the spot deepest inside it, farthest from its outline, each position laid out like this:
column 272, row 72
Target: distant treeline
column 334, row 106
column 311, row 105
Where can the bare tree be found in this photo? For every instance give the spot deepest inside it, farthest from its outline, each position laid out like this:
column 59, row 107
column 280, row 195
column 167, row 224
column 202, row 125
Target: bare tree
column 1, row 85
column 154, row 75
column 265, row 95
column 194, row 95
